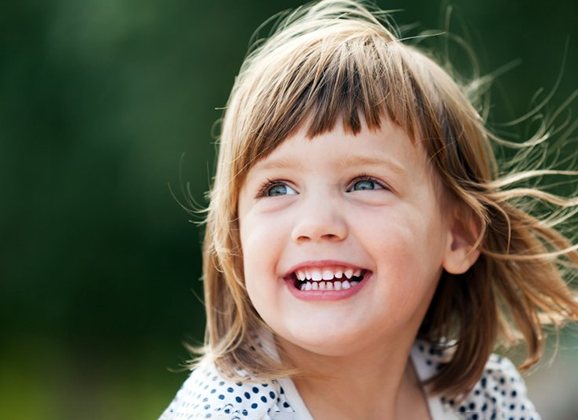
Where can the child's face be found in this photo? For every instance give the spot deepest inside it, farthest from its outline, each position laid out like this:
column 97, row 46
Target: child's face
column 336, row 204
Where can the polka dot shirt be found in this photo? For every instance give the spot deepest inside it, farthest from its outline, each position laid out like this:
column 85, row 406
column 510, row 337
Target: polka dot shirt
column 499, row 394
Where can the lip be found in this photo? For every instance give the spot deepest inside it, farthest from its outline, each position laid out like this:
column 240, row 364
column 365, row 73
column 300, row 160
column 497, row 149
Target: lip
column 325, row 295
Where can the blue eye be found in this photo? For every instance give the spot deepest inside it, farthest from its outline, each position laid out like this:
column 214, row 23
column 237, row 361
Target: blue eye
column 276, row 188
column 365, row 183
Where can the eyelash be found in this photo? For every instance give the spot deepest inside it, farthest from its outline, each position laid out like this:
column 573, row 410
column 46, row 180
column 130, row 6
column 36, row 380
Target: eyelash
column 262, row 192
column 366, row 177
column 268, row 184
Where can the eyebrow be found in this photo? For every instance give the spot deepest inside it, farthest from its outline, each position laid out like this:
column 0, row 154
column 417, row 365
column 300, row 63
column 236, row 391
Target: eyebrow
column 346, row 161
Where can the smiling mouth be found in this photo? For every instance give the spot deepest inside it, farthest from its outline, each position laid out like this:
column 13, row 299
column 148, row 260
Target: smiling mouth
column 327, row 280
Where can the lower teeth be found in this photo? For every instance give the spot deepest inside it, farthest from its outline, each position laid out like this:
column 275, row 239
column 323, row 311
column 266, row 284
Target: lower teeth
column 327, row 285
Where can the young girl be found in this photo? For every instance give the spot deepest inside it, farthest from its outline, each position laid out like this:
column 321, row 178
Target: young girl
column 363, row 254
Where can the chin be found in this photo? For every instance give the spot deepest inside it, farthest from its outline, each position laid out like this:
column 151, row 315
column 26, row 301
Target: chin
column 324, row 341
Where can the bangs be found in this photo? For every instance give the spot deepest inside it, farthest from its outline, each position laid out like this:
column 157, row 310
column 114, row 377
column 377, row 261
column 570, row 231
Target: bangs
column 354, row 75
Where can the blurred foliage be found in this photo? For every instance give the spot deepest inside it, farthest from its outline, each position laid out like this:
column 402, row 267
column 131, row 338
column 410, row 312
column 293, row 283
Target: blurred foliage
column 103, row 105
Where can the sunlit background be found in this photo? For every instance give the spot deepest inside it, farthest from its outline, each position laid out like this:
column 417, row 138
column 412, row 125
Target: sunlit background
column 107, row 105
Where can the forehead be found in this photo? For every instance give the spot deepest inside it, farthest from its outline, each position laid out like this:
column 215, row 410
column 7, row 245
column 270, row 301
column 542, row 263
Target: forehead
column 388, row 146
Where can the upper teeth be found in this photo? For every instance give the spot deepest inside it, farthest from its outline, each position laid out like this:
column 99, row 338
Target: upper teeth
column 316, row 274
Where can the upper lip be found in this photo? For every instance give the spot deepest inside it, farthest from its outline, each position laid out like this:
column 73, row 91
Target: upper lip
column 322, row 264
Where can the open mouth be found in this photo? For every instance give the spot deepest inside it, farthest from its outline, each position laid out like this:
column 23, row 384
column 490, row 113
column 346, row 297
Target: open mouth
column 327, row 279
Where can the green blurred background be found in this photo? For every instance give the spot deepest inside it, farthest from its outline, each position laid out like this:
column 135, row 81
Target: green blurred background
column 103, row 105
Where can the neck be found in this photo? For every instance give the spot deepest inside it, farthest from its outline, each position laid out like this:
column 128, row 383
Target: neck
column 367, row 384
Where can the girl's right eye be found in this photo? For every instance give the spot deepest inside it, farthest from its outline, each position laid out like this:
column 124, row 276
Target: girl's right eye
column 275, row 188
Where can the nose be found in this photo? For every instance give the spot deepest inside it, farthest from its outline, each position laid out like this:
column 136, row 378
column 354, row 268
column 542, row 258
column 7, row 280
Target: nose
column 319, row 219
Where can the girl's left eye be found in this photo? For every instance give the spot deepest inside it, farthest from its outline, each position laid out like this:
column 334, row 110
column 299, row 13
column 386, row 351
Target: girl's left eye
column 365, row 183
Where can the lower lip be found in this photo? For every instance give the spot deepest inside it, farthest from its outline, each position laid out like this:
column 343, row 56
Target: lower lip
column 327, row 294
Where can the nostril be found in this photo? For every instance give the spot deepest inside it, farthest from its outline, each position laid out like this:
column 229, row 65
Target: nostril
column 322, row 236
column 330, row 236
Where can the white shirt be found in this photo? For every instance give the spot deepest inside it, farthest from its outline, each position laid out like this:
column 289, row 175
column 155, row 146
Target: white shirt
column 499, row 394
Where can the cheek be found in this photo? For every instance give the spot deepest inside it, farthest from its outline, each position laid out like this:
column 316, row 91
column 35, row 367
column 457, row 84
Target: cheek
column 409, row 251
column 408, row 275
column 260, row 238
column 262, row 246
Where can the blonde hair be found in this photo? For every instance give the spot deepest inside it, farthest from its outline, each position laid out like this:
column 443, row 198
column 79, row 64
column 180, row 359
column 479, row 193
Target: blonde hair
column 335, row 61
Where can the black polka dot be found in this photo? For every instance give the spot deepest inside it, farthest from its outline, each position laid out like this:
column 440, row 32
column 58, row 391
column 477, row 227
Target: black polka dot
column 247, row 395
column 255, row 389
column 221, row 397
column 254, row 405
column 238, row 399
column 264, row 398
column 229, row 389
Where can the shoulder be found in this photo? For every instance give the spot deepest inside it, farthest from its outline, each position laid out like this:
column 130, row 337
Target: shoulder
column 500, row 392
column 207, row 394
